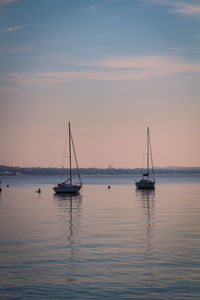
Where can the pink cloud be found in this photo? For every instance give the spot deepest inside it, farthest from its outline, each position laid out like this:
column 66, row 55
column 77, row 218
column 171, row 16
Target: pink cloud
column 13, row 28
column 15, row 50
column 6, row 2
column 183, row 7
column 188, row 10
column 132, row 68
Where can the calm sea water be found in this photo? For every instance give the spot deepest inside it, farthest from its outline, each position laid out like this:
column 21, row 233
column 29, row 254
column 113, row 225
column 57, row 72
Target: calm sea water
column 104, row 244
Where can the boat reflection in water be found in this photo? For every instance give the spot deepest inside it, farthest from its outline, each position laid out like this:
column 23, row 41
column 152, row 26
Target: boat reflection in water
column 72, row 205
column 146, row 197
column 70, row 209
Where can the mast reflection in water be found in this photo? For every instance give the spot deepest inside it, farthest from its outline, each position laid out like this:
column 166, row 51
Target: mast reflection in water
column 146, row 197
column 70, row 208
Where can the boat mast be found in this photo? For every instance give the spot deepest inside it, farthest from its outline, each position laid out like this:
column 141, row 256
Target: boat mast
column 79, row 176
column 151, row 158
column 70, row 156
column 147, row 152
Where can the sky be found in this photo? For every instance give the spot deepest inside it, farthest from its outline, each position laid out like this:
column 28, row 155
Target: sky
column 111, row 68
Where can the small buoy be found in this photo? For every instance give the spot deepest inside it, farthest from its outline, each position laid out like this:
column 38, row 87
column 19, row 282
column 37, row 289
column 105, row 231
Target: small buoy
column 108, row 186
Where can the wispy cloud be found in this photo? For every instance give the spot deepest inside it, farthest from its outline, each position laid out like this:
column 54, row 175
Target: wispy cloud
column 133, row 68
column 6, row 2
column 184, row 48
column 94, row 7
column 188, row 9
column 7, row 89
column 72, row 53
column 13, row 28
column 15, row 50
column 143, row 64
column 182, row 7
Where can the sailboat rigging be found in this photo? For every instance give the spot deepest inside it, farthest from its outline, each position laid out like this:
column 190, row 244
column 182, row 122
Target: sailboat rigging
column 67, row 186
column 148, row 179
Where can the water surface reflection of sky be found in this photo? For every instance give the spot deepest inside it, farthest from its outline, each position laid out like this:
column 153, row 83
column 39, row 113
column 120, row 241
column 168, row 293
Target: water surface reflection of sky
column 106, row 243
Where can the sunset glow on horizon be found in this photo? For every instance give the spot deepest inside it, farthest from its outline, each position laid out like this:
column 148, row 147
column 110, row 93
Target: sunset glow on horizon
column 111, row 68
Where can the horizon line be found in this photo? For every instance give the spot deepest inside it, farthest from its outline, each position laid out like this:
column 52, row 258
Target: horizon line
column 103, row 168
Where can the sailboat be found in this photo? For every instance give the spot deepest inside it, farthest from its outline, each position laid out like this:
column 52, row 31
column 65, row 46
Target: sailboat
column 68, row 186
column 148, row 179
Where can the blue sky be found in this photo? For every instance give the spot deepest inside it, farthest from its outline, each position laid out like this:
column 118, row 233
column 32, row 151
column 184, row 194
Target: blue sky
column 111, row 67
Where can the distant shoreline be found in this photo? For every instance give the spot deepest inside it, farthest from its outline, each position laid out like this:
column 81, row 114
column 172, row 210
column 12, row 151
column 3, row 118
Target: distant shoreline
column 18, row 171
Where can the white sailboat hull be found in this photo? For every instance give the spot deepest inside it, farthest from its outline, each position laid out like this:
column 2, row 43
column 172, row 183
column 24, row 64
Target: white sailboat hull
column 67, row 188
column 145, row 184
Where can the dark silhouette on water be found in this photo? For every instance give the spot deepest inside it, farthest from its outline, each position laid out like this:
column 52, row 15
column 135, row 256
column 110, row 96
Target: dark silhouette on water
column 67, row 186
column 148, row 179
